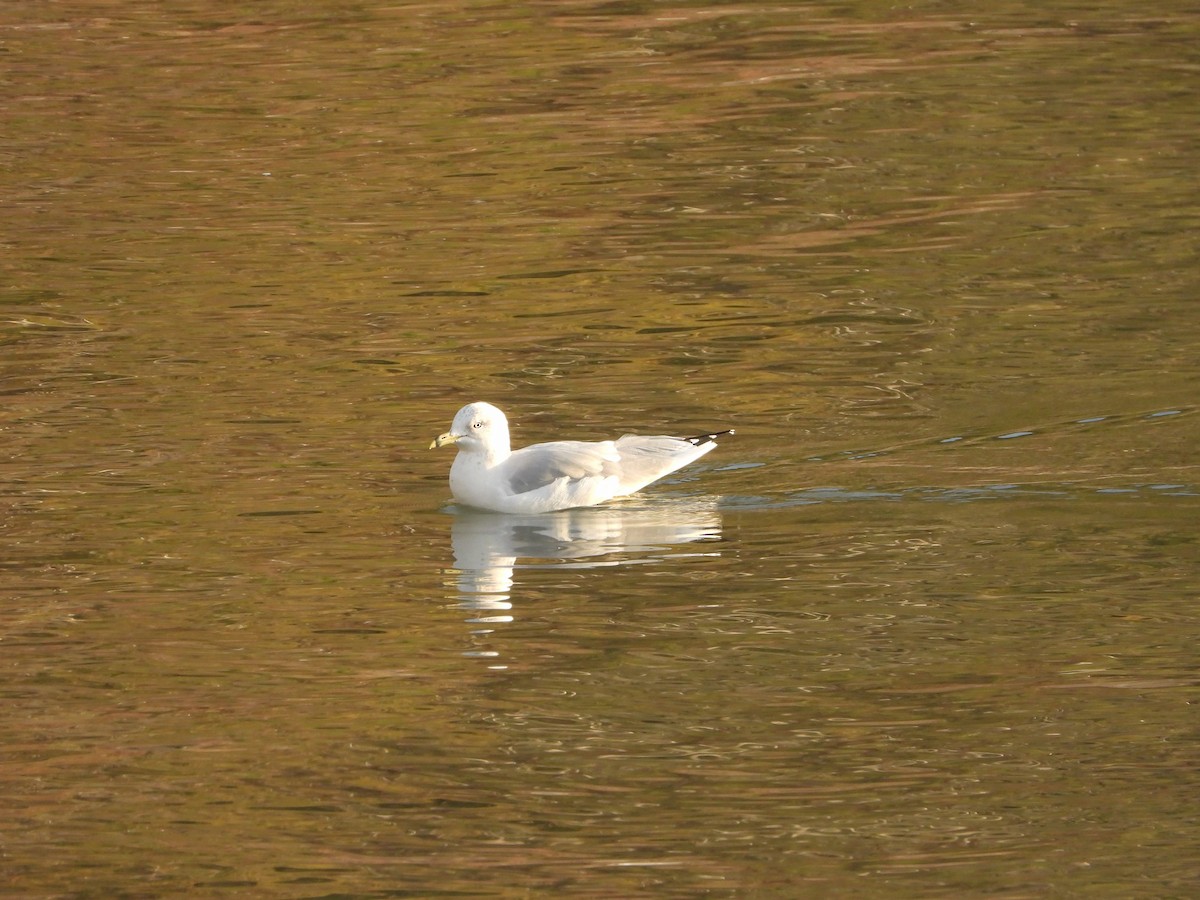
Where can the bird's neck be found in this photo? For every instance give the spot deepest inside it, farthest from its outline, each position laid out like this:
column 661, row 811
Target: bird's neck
column 495, row 454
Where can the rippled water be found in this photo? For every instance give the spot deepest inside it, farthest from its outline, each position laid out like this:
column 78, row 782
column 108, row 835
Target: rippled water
column 924, row 627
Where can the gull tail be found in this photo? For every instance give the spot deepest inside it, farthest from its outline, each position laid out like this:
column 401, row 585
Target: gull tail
column 710, row 438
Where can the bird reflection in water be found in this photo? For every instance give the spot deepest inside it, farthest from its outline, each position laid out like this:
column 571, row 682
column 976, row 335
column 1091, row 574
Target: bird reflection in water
column 490, row 547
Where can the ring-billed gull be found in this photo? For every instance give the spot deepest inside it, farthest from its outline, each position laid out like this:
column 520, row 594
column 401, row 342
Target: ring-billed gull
column 559, row 474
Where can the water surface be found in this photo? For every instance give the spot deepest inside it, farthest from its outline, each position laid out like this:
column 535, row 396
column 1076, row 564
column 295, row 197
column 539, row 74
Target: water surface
column 924, row 627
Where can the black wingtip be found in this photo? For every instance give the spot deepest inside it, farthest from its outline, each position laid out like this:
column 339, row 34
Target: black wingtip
column 702, row 439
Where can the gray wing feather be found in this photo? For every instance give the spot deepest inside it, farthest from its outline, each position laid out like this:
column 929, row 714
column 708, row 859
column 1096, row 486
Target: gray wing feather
column 647, row 458
column 636, row 460
column 538, row 465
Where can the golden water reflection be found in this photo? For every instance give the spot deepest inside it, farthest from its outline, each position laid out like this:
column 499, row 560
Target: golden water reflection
column 942, row 265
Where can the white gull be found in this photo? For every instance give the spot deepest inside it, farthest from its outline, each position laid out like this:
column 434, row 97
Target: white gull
column 557, row 475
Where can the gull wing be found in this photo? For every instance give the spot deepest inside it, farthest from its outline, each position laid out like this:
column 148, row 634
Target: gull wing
column 538, row 465
column 647, row 458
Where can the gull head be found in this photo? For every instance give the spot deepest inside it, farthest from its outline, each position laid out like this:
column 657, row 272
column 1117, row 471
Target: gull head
column 477, row 428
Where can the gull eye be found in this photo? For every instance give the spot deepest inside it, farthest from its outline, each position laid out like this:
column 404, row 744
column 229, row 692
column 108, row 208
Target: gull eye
column 476, row 424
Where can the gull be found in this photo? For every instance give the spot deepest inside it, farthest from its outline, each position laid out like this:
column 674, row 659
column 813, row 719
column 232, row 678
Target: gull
column 541, row 478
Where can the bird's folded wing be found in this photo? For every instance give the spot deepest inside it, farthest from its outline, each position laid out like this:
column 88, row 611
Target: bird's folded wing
column 536, row 466
column 648, row 457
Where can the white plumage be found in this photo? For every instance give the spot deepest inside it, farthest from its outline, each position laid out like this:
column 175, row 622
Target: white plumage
column 558, row 475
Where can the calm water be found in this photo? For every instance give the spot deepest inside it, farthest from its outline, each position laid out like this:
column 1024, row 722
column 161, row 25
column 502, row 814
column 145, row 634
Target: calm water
column 925, row 628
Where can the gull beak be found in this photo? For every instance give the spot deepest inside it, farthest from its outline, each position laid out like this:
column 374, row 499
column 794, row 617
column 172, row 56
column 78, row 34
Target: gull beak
column 443, row 439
